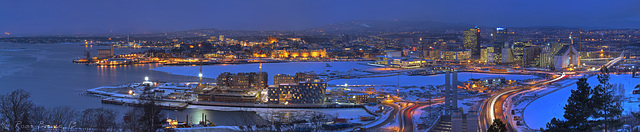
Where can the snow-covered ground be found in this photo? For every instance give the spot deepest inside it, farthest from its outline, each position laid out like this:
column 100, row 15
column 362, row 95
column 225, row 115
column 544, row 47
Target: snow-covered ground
column 272, row 69
column 470, row 104
column 351, row 114
column 542, row 110
column 208, row 129
column 212, row 71
column 425, row 115
column 382, row 118
column 405, row 80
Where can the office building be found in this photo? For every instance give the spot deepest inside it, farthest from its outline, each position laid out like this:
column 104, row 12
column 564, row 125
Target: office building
column 507, row 55
column 305, row 92
column 500, row 36
column 487, row 55
column 531, row 56
column 455, row 55
column 471, row 40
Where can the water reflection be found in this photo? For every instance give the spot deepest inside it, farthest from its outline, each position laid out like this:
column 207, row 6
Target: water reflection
column 47, row 72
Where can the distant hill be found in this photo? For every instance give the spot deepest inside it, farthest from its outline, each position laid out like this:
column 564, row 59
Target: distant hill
column 377, row 26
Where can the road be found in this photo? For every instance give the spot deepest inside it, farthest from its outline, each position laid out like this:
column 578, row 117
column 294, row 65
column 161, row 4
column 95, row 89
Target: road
column 402, row 113
column 492, row 108
column 391, row 117
column 408, row 124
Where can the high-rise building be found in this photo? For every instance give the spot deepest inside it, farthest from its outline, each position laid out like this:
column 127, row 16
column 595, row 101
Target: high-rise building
column 507, row 55
column 500, row 36
column 517, row 50
column 483, row 55
column 487, row 55
column 531, row 56
column 471, row 40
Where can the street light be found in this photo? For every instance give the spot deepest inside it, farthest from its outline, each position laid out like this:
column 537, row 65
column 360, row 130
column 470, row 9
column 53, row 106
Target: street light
column 146, row 78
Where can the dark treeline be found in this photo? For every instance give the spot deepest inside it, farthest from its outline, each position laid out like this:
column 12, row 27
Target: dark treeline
column 20, row 114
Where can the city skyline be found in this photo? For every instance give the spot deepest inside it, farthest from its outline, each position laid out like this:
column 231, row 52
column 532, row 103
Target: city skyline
column 409, row 66
column 77, row 17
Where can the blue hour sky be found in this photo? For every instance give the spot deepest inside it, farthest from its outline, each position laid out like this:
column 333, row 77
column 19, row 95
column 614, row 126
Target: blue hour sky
column 138, row 16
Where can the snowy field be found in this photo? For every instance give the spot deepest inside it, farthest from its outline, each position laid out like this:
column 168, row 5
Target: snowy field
column 542, row 110
column 272, row 69
column 406, row 80
column 212, row 71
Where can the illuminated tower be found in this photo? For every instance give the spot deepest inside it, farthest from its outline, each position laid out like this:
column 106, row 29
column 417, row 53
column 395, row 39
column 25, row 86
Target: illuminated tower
column 200, row 86
column 471, row 40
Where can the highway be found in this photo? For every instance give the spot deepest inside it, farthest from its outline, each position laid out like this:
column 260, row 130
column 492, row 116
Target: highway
column 492, row 108
column 392, row 116
column 402, row 113
column 407, row 121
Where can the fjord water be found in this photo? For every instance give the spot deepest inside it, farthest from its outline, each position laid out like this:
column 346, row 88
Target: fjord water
column 47, row 71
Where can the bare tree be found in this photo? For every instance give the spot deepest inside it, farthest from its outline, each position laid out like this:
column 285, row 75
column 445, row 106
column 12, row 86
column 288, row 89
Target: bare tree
column 38, row 117
column 98, row 119
column 317, row 119
column 15, row 107
column 61, row 116
column 130, row 121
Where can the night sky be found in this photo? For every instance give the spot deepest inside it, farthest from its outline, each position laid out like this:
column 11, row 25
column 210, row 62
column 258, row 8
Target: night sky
column 120, row 16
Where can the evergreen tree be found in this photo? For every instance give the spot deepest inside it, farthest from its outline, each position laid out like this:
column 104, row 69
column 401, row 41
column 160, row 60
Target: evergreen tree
column 497, row 126
column 577, row 111
column 603, row 103
column 556, row 125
